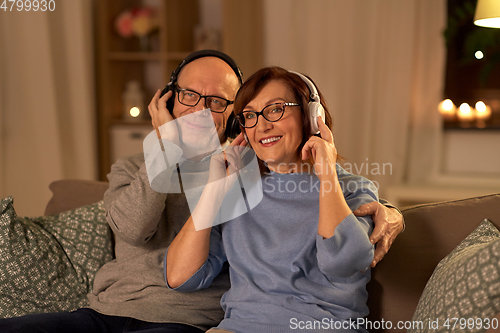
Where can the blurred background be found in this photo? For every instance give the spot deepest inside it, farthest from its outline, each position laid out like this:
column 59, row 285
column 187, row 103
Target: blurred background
column 76, row 78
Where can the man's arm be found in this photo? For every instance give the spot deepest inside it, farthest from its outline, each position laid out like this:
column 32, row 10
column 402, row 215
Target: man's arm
column 138, row 184
column 388, row 224
column 133, row 209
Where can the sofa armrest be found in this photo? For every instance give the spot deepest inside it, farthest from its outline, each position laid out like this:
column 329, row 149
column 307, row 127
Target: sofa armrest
column 73, row 193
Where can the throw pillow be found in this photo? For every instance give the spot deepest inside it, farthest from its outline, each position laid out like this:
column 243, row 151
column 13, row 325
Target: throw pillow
column 49, row 262
column 463, row 292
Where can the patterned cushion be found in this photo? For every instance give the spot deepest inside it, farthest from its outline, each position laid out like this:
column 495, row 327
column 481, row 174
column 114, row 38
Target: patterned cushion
column 49, row 263
column 465, row 285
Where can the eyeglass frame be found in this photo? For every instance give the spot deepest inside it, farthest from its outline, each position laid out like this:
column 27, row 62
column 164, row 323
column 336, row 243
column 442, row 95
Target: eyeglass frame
column 261, row 113
column 178, row 89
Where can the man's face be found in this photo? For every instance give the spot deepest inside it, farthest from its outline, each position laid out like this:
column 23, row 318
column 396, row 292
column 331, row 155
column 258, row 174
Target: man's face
column 206, row 76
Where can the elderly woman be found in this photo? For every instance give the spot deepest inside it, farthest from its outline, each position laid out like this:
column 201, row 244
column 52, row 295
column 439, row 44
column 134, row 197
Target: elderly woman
column 300, row 259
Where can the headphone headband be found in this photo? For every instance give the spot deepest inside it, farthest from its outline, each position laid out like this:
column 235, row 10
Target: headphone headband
column 315, row 107
column 314, row 96
column 201, row 54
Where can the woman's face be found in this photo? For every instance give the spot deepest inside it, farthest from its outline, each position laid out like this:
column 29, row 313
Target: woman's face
column 277, row 143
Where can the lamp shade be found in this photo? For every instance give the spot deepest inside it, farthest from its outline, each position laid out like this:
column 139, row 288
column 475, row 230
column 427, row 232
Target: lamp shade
column 487, row 13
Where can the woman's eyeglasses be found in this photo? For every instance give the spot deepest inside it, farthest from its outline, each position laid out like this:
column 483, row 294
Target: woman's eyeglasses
column 272, row 112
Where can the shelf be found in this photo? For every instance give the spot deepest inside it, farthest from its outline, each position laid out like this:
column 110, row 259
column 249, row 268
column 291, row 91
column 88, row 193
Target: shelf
column 132, row 123
column 137, row 56
column 120, row 60
column 147, row 56
column 179, row 56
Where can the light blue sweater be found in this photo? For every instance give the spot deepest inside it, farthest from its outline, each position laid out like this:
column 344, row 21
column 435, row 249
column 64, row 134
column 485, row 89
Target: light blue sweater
column 284, row 276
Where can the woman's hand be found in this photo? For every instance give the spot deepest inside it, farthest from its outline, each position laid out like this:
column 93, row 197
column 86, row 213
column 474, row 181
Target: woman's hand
column 333, row 208
column 223, row 174
column 189, row 249
column 225, row 165
column 323, row 151
column 160, row 116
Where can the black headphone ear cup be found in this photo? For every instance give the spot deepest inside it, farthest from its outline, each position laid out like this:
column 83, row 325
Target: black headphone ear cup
column 315, row 110
column 170, row 101
column 232, row 127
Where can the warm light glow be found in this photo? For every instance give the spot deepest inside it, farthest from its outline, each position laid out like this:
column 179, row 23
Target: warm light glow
column 465, row 112
column 448, row 105
column 133, row 101
column 483, row 111
column 480, row 106
column 447, row 109
column 465, row 108
column 487, row 14
column 493, row 22
column 479, row 55
column 135, row 112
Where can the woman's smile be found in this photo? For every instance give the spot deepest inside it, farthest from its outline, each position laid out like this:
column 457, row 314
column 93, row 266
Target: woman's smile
column 270, row 140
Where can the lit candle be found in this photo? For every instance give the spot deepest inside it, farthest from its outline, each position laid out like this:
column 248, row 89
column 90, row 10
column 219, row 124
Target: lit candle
column 447, row 109
column 465, row 112
column 483, row 111
column 133, row 101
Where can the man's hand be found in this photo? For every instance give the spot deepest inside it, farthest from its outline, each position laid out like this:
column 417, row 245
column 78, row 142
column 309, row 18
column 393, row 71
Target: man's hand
column 160, row 116
column 388, row 224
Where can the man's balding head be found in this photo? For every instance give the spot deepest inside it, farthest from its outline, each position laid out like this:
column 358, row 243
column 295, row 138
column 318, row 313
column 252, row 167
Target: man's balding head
column 207, row 76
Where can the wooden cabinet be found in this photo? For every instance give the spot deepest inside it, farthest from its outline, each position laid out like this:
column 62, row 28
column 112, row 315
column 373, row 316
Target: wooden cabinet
column 127, row 139
column 120, row 60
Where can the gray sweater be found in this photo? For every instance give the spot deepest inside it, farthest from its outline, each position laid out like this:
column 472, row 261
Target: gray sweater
column 144, row 223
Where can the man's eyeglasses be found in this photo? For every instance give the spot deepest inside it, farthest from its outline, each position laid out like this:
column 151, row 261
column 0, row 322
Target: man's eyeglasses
column 192, row 98
column 272, row 112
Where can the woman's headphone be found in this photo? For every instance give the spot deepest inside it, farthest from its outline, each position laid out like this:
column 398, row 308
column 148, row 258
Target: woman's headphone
column 314, row 107
column 232, row 122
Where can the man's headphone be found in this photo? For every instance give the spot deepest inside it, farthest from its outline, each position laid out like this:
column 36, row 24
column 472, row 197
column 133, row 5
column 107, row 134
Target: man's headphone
column 314, row 107
column 232, row 122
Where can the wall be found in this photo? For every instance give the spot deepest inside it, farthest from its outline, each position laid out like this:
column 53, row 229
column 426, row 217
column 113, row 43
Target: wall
column 47, row 129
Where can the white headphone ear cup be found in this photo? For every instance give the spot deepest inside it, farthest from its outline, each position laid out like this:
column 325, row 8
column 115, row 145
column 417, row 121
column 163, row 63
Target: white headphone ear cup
column 315, row 110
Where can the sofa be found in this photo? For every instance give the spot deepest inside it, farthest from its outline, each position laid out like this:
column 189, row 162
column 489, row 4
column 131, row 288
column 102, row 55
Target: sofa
column 432, row 232
column 402, row 279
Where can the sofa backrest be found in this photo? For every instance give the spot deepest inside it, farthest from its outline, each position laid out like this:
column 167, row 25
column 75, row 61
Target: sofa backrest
column 73, row 193
column 432, row 232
